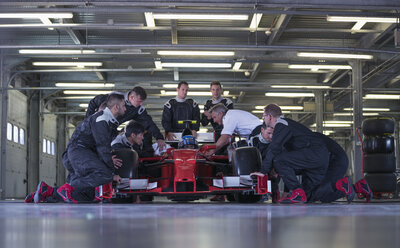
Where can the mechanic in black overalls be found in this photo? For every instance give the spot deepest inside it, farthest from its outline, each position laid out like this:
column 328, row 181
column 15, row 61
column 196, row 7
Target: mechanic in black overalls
column 178, row 109
column 89, row 155
column 294, row 149
column 216, row 91
column 134, row 111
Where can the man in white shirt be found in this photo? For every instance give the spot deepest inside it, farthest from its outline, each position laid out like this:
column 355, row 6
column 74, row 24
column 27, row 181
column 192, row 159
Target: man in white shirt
column 236, row 121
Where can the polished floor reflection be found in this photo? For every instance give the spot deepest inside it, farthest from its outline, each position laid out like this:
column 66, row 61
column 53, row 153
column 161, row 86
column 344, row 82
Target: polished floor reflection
column 202, row 224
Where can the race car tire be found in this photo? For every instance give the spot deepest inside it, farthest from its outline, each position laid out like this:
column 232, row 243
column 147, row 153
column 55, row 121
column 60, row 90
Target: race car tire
column 379, row 163
column 123, row 199
column 146, row 198
column 245, row 160
column 378, row 126
column 130, row 158
column 247, row 198
column 230, row 197
column 381, row 182
column 378, row 144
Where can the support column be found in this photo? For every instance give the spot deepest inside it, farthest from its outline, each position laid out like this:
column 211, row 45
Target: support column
column 61, row 141
column 4, row 119
column 34, row 141
column 357, row 117
column 319, row 110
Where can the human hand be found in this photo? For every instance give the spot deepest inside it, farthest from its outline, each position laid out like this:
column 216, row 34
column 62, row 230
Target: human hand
column 161, row 144
column 117, row 162
column 171, row 136
column 259, row 174
column 117, row 178
column 194, row 133
column 207, row 114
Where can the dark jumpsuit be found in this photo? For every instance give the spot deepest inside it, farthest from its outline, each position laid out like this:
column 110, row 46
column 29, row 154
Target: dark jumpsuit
column 175, row 111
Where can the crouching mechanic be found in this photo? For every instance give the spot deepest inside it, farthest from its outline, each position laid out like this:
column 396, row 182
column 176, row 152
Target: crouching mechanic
column 89, row 156
column 132, row 138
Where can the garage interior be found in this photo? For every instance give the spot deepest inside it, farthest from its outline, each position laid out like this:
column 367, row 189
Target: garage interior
column 329, row 64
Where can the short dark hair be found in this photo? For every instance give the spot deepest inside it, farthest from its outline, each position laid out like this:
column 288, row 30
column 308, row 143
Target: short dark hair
column 114, row 99
column 182, row 82
column 139, row 91
column 215, row 83
column 133, row 127
column 273, row 110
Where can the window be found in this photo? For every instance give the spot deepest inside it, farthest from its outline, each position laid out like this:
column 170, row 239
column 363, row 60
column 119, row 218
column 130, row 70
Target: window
column 53, row 148
column 15, row 134
column 9, row 131
column 44, row 145
column 22, row 136
column 48, row 147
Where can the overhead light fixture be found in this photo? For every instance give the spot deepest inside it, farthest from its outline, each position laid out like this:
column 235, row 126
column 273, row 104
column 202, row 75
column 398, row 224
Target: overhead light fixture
column 200, row 17
column 192, row 93
column 370, row 109
column 195, row 53
column 149, row 19
column 351, row 114
column 255, row 21
column 192, row 86
column 283, row 107
column 54, row 51
column 84, row 105
column 158, row 64
column 361, row 19
column 301, row 86
column 288, row 94
column 335, row 55
column 197, row 65
column 382, row 96
column 328, row 132
column 37, row 15
column 226, row 93
column 86, row 92
column 335, row 124
column 78, row 64
column 236, row 66
column 85, row 85
column 321, row 67
column 257, row 111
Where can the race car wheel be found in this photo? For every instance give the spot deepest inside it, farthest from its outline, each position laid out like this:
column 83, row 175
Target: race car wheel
column 129, row 168
column 246, row 160
column 378, row 144
column 230, row 197
column 123, row 199
column 378, row 126
column 247, row 198
column 379, row 163
column 381, row 182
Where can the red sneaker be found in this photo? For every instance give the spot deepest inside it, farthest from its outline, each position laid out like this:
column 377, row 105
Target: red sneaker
column 296, row 196
column 30, row 198
column 362, row 188
column 346, row 185
column 65, row 192
column 42, row 192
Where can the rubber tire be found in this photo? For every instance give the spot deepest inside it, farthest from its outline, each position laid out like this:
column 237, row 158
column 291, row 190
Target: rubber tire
column 379, row 163
column 123, row 200
column 130, row 158
column 381, row 182
column 247, row 198
column 378, row 144
column 230, row 197
column 245, row 160
column 378, row 126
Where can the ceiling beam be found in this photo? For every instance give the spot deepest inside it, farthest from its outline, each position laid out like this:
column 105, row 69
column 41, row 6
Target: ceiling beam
column 280, row 26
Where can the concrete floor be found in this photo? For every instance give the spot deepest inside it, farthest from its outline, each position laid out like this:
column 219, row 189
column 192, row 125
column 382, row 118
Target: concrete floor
column 202, row 224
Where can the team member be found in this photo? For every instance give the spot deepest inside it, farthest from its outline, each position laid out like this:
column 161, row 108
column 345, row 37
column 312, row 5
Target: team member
column 89, row 155
column 134, row 100
column 294, row 148
column 178, row 109
column 236, row 121
column 216, row 91
column 132, row 138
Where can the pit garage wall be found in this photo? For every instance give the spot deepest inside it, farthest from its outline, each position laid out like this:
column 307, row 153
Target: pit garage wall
column 48, row 161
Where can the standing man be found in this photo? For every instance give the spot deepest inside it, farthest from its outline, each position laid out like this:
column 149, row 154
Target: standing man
column 294, row 148
column 236, row 121
column 178, row 109
column 89, row 156
column 134, row 100
column 216, row 91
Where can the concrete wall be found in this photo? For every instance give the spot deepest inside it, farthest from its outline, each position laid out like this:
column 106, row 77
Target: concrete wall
column 48, row 162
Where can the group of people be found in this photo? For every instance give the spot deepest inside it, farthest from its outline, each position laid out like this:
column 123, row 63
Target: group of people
column 288, row 148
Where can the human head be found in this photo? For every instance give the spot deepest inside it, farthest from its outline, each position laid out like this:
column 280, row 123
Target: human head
column 266, row 132
column 137, row 96
column 182, row 89
column 116, row 103
column 271, row 114
column 216, row 89
column 217, row 112
column 134, row 131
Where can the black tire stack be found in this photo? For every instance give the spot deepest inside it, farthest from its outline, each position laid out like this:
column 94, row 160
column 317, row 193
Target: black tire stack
column 379, row 154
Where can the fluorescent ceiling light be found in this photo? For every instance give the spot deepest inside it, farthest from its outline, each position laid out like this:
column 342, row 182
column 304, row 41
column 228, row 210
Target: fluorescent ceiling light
column 236, row 66
column 351, row 114
column 84, row 105
column 284, row 107
column 382, row 96
column 54, row 51
column 193, row 93
column 197, row 65
column 192, row 86
column 301, row 86
column 78, row 64
column 288, row 94
column 369, row 109
column 36, row 15
column 328, row 132
column 255, row 21
column 333, row 124
column 338, row 122
column 361, row 19
column 195, row 53
column 149, row 19
column 200, row 17
column 257, row 111
column 334, row 55
column 46, row 21
column 86, row 92
column 158, row 64
column 85, row 85
column 321, row 67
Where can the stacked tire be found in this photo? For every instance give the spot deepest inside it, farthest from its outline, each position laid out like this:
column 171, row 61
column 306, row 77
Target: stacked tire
column 379, row 157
